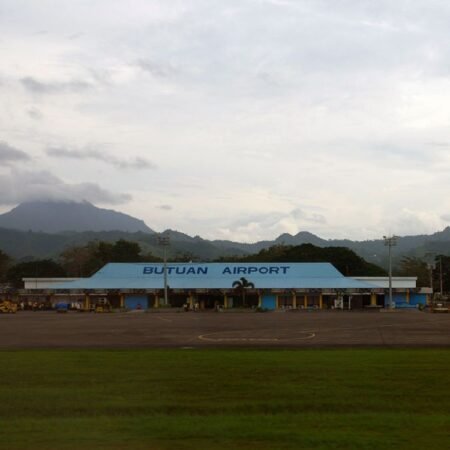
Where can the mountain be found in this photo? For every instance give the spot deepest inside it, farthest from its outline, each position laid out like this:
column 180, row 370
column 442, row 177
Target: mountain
column 29, row 245
column 56, row 217
column 374, row 251
column 75, row 224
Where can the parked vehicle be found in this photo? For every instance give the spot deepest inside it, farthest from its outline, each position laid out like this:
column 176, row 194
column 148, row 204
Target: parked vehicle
column 441, row 305
column 8, row 307
column 102, row 305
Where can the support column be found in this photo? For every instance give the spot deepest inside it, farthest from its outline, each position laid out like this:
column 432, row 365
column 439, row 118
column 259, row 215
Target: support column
column 225, row 300
column 122, row 301
column 305, row 301
column 294, row 300
column 320, row 301
column 259, row 300
column 276, row 302
column 156, row 300
column 373, row 299
column 407, row 296
column 191, row 300
column 87, row 302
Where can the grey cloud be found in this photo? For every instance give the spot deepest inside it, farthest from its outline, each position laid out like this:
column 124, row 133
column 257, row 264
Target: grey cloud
column 35, row 114
column 61, row 152
column 20, row 186
column 38, row 87
column 389, row 153
column 438, row 144
column 314, row 217
column 272, row 218
column 88, row 153
column 75, row 36
column 267, row 219
column 10, row 155
column 165, row 207
column 446, row 217
column 136, row 163
column 409, row 221
column 159, row 70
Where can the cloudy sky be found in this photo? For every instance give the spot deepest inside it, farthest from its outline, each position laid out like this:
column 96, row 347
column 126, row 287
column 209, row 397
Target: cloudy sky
column 231, row 119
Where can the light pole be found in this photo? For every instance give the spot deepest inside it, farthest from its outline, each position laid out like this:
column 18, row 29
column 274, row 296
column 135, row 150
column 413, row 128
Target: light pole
column 390, row 241
column 431, row 268
column 433, row 265
column 431, row 256
column 164, row 242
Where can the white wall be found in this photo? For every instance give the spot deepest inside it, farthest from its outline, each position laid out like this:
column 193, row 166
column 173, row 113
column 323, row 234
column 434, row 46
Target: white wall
column 397, row 282
column 44, row 283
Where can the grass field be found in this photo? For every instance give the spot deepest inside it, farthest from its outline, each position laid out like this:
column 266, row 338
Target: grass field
column 225, row 399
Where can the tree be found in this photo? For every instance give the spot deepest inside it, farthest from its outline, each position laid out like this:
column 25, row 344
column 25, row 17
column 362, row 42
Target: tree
column 184, row 257
column 344, row 259
column 150, row 257
column 75, row 261
column 34, row 269
column 85, row 260
column 411, row 266
column 5, row 262
column 126, row 251
column 241, row 286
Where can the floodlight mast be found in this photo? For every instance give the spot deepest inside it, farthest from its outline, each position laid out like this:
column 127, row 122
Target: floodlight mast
column 164, row 242
column 432, row 266
column 390, row 241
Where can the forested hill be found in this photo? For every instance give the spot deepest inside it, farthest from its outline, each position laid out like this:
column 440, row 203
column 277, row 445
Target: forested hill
column 44, row 229
column 27, row 245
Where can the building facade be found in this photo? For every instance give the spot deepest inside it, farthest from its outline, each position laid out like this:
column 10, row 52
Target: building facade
column 233, row 285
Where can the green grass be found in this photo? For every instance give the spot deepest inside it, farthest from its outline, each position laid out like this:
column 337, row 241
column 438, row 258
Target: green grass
column 222, row 399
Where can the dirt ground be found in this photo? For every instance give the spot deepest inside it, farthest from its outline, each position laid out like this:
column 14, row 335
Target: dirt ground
column 227, row 329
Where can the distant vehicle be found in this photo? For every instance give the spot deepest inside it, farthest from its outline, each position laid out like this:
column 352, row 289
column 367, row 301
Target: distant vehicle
column 440, row 305
column 8, row 307
column 102, row 306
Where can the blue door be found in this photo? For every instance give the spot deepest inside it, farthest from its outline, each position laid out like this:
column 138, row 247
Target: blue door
column 136, row 302
column 269, row 301
column 418, row 299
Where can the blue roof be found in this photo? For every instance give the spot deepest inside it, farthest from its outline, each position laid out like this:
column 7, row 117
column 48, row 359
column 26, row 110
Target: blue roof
column 216, row 276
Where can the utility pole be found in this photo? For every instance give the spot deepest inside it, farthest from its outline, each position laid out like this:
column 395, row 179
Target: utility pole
column 432, row 266
column 164, row 242
column 390, row 241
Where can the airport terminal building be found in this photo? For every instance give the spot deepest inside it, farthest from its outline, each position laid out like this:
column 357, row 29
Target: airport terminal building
column 230, row 285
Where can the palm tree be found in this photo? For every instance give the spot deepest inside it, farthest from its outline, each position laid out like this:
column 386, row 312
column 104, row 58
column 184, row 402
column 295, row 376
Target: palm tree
column 241, row 285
